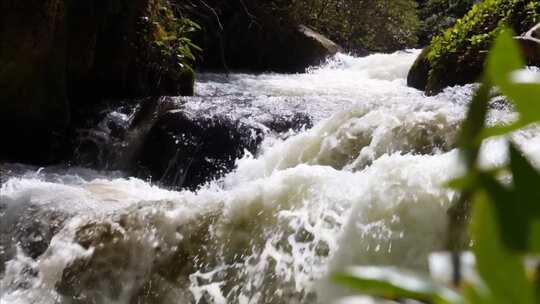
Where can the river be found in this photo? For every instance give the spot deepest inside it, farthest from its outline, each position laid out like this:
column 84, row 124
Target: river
column 362, row 186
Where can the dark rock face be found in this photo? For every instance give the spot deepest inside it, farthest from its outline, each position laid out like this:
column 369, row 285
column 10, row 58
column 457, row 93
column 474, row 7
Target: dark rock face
column 186, row 150
column 56, row 55
column 108, row 57
column 33, row 100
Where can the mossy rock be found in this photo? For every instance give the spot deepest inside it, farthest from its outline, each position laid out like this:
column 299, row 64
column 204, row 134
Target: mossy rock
column 419, row 72
column 457, row 56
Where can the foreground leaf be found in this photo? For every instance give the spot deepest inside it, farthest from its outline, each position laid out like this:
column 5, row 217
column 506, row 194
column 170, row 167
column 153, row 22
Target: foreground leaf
column 502, row 271
column 393, row 283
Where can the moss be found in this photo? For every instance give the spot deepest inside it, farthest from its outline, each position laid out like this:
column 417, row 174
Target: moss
column 457, row 56
column 418, row 75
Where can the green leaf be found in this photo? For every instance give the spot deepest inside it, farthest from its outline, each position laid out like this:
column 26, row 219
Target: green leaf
column 510, row 214
column 502, row 129
column 477, row 295
column 469, row 138
column 526, row 182
column 502, row 271
column 503, row 59
column 393, row 283
column 525, row 97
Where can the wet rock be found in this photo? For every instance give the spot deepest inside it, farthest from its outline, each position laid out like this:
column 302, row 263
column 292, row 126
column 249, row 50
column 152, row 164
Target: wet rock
column 423, row 76
column 134, row 259
column 28, row 227
column 181, row 142
column 186, row 149
column 104, row 275
column 294, row 122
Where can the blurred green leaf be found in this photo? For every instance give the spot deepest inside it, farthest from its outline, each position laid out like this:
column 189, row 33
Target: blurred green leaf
column 469, row 138
column 393, row 283
column 503, row 59
column 526, row 181
column 510, row 213
column 476, row 295
column 503, row 272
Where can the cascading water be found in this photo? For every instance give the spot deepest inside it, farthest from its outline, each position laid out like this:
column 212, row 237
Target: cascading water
column 362, row 186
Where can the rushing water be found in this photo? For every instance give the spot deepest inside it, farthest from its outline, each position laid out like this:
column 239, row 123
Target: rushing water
column 363, row 186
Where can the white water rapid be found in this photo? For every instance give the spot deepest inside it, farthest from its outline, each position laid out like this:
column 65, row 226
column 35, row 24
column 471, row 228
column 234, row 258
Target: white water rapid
column 361, row 187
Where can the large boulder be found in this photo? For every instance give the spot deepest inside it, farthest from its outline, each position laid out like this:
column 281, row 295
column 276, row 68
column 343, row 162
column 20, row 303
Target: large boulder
column 56, row 55
column 256, row 36
column 180, row 142
column 185, row 150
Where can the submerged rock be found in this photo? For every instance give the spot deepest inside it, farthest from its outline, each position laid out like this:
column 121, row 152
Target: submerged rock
column 27, row 227
column 134, row 259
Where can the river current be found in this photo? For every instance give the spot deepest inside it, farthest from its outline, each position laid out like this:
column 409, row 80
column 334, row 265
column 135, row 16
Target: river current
column 363, row 186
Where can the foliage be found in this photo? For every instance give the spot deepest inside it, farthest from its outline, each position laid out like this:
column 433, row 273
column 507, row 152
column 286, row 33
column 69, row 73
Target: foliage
column 170, row 38
column 361, row 25
column 438, row 15
column 465, row 45
column 505, row 216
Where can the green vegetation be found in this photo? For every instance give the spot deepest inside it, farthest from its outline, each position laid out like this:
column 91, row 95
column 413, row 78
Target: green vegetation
column 361, row 25
column 382, row 25
column 458, row 55
column 504, row 217
column 167, row 37
column 438, row 15
column 171, row 36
